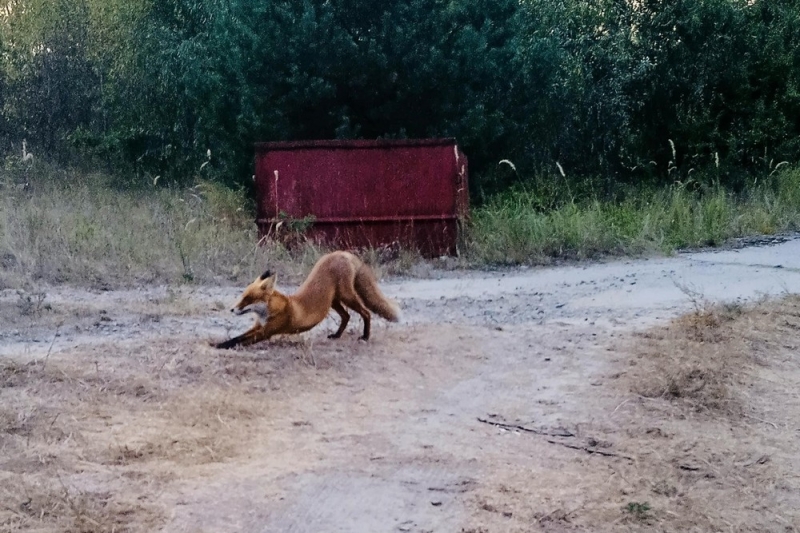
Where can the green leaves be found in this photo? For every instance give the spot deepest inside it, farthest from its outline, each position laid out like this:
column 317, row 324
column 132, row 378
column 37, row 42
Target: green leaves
column 633, row 76
column 599, row 87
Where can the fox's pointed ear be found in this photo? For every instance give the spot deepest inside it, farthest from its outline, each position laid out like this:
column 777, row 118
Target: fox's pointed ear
column 268, row 282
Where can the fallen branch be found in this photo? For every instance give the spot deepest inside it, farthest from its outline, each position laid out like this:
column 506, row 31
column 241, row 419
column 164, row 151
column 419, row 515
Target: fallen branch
column 589, row 450
column 562, row 433
column 760, row 420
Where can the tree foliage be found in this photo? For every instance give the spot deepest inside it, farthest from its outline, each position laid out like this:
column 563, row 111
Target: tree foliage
column 629, row 91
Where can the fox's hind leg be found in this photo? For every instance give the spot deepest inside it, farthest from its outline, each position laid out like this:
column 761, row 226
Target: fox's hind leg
column 354, row 302
column 339, row 308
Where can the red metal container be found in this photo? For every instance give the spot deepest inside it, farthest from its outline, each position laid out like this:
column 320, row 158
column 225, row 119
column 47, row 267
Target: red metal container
column 366, row 193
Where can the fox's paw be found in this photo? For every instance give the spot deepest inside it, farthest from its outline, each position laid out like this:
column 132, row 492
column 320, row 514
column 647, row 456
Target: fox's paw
column 335, row 336
column 227, row 345
column 363, row 339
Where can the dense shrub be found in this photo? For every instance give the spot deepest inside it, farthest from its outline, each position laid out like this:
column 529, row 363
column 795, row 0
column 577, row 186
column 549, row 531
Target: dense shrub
column 660, row 91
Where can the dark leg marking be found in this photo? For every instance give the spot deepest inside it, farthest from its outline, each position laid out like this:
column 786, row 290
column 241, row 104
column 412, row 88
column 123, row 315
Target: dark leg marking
column 345, row 316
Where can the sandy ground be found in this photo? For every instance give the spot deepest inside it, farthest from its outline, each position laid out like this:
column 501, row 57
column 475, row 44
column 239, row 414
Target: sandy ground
column 504, row 401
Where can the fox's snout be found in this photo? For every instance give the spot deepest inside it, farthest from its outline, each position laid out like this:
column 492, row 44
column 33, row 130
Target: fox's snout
column 259, row 308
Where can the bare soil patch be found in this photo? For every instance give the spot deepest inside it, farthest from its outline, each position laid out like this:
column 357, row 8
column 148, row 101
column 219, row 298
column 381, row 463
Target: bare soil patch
column 693, row 428
column 504, row 412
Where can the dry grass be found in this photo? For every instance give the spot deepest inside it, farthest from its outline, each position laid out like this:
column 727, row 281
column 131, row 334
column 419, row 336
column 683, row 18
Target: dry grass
column 705, row 358
column 81, row 229
column 706, row 408
column 52, row 505
column 713, row 418
column 694, row 360
column 84, row 230
column 91, row 436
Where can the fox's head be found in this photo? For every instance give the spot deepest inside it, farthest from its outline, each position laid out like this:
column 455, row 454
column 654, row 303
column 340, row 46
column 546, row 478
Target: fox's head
column 256, row 296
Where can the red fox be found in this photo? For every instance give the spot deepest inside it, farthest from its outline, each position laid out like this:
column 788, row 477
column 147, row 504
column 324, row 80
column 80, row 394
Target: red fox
column 338, row 279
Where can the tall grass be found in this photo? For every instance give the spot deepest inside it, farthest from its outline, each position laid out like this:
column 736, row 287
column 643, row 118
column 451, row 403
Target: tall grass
column 513, row 228
column 83, row 230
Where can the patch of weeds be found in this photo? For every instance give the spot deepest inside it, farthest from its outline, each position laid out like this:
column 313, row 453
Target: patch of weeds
column 689, row 383
column 533, row 224
column 703, row 384
column 393, row 259
column 290, row 231
column 70, row 509
column 13, row 374
column 732, row 310
column 665, row 489
column 78, row 228
column 638, row 510
column 188, row 273
column 702, row 326
column 32, row 303
column 557, row 516
column 298, row 225
column 16, row 423
column 703, row 359
column 705, row 323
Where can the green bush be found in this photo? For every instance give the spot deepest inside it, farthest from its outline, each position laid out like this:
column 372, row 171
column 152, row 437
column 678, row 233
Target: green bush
column 633, row 93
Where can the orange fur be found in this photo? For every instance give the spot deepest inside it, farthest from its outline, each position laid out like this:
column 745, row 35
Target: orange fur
column 338, row 281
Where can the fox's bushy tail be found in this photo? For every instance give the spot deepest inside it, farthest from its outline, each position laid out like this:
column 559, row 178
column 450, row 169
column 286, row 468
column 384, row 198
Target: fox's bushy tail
column 367, row 288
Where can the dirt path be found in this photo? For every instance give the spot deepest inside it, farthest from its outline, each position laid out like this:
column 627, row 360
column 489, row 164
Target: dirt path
column 407, row 433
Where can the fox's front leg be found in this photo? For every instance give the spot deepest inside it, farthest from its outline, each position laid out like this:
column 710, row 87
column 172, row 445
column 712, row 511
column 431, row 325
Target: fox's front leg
column 251, row 336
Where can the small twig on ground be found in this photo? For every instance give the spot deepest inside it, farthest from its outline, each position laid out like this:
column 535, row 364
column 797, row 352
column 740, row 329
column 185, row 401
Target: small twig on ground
column 695, row 296
column 566, row 514
column 587, row 449
column 620, row 405
column 758, row 461
column 565, row 433
column 71, row 502
column 760, row 420
column 46, row 357
column 562, row 433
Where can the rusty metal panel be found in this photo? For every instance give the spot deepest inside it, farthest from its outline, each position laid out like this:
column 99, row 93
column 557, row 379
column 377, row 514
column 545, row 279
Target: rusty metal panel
column 366, row 193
